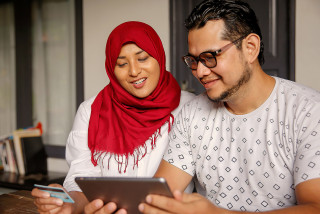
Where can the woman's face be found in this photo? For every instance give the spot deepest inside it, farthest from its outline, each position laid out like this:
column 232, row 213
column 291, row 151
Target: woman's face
column 137, row 71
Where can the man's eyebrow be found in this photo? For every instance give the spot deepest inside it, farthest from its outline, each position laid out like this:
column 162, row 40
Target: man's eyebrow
column 189, row 54
column 207, row 50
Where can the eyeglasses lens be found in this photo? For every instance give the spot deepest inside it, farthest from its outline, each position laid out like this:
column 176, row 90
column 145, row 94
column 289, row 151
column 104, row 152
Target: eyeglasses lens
column 191, row 62
column 208, row 60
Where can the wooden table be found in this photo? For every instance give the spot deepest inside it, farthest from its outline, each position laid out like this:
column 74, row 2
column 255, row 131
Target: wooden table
column 19, row 182
column 19, row 202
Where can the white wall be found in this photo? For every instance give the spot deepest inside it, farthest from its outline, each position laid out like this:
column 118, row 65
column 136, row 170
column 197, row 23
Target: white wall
column 308, row 43
column 100, row 17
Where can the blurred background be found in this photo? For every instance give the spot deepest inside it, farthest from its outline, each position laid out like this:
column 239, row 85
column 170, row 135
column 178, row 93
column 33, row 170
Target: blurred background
column 52, row 53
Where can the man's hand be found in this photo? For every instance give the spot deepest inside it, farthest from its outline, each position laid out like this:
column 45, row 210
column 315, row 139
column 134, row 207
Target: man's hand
column 182, row 203
column 97, row 207
column 47, row 204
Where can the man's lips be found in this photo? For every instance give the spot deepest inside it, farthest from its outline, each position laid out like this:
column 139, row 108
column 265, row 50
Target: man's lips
column 207, row 83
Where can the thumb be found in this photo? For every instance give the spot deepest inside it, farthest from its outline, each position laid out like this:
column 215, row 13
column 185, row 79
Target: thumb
column 177, row 195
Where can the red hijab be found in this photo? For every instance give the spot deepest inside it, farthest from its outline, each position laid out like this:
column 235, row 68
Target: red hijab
column 120, row 124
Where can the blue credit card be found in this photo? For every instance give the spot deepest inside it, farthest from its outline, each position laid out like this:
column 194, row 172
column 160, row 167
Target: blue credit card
column 56, row 192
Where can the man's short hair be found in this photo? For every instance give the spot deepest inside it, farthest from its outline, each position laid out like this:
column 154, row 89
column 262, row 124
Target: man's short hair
column 239, row 19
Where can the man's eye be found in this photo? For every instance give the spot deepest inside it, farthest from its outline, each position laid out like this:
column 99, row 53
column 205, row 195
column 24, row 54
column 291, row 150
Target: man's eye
column 143, row 59
column 209, row 57
column 193, row 60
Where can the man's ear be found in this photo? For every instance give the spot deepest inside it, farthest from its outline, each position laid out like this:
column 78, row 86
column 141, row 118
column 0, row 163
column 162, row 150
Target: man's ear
column 251, row 46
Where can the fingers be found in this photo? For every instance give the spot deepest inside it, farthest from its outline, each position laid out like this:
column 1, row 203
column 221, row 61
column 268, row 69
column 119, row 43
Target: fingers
column 46, row 204
column 55, row 210
column 39, row 194
column 55, row 185
column 177, row 195
column 121, row 211
column 93, row 206
column 157, row 204
column 147, row 209
column 96, row 206
column 43, row 194
column 186, row 198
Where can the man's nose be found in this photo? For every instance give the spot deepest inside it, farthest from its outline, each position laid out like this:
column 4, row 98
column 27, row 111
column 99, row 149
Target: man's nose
column 202, row 70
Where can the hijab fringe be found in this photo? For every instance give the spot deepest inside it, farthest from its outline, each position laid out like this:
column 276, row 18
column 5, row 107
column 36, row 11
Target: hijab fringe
column 137, row 155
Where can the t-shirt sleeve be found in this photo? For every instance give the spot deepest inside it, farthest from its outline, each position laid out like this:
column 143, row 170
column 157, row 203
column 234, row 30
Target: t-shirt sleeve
column 307, row 160
column 78, row 154
column 179, row 151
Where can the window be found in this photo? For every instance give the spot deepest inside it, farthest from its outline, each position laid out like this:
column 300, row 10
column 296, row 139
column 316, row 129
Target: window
column 7, row 70
column 41, row 66
column 53, row 68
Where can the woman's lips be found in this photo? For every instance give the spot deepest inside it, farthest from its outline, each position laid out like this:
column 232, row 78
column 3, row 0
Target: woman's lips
column 139, row 83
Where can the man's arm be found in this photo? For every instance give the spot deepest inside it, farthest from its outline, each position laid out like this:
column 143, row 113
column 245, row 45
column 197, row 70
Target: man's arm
column 307, row 195
column 176, row 178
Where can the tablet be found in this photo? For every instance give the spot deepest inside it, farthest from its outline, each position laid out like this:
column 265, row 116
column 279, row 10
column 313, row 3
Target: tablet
column 126, row 192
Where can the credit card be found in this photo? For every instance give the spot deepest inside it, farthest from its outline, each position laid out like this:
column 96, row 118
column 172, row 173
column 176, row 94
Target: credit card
column 56, row 192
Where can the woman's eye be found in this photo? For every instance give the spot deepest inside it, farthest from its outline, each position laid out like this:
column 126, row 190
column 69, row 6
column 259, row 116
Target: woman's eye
column 121, row 64
column 143, row 59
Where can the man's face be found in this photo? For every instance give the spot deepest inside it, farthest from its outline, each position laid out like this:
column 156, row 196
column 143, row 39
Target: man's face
column 222, row 82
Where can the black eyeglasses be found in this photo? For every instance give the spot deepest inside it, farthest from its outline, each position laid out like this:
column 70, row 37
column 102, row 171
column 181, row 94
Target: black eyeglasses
column 207, row 58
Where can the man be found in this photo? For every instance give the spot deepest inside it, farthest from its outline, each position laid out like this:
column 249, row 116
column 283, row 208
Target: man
column 252, row 141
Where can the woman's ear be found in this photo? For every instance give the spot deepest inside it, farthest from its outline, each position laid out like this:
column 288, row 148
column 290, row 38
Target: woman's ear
column 251, row 46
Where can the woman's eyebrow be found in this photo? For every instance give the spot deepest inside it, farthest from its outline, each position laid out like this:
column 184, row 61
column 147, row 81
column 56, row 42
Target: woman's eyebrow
column 139, row 52
column 123, row 57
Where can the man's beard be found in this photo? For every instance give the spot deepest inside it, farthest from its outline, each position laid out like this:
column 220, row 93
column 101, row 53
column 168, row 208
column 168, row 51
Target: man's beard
column 224, row 96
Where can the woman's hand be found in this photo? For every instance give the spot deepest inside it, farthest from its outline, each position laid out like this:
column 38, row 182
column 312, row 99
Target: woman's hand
column 47, row 204
column 97, row 207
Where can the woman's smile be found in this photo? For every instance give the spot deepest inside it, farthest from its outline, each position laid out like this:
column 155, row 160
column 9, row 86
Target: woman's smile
column 139, row 83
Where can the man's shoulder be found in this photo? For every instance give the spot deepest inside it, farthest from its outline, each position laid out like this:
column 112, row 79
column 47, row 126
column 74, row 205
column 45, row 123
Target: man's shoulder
column 189, row 100
column 298, row 91
column 201, row 103
column 186, row 97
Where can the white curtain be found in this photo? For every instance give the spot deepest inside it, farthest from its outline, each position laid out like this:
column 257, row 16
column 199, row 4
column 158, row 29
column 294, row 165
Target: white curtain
column 54, row 68
column 7, row 70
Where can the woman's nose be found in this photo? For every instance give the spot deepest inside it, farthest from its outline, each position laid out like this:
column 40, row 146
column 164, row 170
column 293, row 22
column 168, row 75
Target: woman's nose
column 134, row 69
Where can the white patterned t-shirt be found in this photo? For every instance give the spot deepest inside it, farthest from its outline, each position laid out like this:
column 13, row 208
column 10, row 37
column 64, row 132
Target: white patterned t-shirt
column 250, row 162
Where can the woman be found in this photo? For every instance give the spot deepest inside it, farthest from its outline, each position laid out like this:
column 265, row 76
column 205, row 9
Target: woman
column 124, row 130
